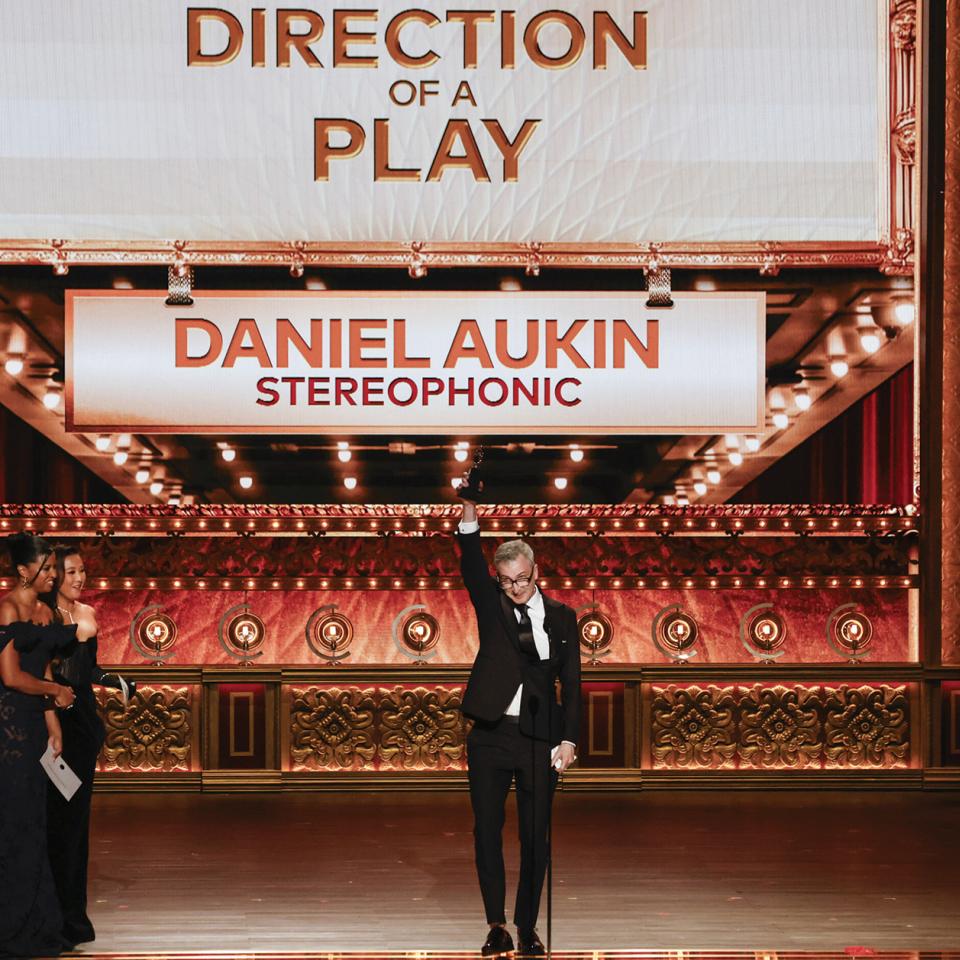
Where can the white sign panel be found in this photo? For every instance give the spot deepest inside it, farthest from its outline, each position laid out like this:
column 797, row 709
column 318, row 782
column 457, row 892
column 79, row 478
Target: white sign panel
column 430, row 363
column 590, row 121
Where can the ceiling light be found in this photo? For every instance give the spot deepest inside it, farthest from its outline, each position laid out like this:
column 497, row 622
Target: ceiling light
column 142, row 475
column 228, row 454
column 839, row 368
column 314, row 283
column 120, row 457
column 802, row 399
column 14, row 365
column 576, row 454
column 174, row 500
column 905, row 312
column 51, row 399
column 460, row 455
column 156, row 488
column 456, row 482
column 560, row 483
column 246, row 481
column 123, row 440
column 699, row 487
column 713, row 475
column 870, row 339
column 350, row 482
column 780, row 420
column 752, row 444
column 102, row 443
column 344, row 456
column 735, row 457
column 683, row 500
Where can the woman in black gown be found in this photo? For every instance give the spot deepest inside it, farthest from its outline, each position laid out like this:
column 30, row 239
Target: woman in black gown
column 30, row 919
column 68, row 822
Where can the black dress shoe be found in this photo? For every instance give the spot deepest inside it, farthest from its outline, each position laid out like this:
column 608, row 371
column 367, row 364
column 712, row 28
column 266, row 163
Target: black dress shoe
column 498, row 943
column 530, row 945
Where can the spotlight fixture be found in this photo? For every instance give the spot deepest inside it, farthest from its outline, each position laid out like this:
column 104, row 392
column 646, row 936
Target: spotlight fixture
column 51, row 399
column 246, row 481
column 120, row 457
column 752, row 444
column 142, row 475
column 713, row 475
column 13, row 365
column 350, row 482
column 228, row 454
column 700, row 487
column 870, row 339
column 460, row 455
column 802, row 399
column 456, row 482
column 683, row 500
column 123, row 440
column 560, row 483
column 156, row 488
column 735, row 457
column 839, row 367
column 780, row 420
column 343, row 451
column 102, row 443
column 576, row 454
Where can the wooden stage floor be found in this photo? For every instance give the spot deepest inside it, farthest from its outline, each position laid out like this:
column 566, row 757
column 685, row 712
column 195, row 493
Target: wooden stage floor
column 658, row 872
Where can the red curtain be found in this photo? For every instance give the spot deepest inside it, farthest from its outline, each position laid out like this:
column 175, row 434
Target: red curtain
column 863, row 456
column 36, row 470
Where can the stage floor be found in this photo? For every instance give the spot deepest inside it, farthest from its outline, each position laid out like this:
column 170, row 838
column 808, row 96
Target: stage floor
column 392, row 873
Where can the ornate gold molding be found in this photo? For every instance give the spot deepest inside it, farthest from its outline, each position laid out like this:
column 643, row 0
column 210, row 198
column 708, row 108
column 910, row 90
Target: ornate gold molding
column 900, row 247
column 764, row 726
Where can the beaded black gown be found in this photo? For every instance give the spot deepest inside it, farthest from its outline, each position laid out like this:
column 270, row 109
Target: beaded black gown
column 68, row 822
column 30, row 918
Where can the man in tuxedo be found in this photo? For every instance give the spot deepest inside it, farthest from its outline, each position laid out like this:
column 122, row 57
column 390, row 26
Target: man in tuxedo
column 521, row 733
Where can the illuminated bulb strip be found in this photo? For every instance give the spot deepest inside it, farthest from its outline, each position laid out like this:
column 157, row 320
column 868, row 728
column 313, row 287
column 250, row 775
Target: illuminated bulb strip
column 578, row 583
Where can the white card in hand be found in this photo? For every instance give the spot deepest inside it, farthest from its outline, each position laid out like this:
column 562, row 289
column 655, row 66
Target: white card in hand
column 64, row 779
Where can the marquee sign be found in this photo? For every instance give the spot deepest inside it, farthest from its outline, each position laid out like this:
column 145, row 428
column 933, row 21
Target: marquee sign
column 237, row 362
column 592, row 123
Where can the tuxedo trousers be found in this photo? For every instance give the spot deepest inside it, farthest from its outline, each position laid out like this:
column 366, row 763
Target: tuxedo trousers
column 499, row 755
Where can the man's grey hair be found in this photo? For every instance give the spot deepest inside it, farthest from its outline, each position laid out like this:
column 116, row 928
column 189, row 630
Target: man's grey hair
column 511, row 550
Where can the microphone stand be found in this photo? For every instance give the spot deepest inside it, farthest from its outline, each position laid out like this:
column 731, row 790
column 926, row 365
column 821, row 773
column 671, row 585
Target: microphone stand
column 534, row 704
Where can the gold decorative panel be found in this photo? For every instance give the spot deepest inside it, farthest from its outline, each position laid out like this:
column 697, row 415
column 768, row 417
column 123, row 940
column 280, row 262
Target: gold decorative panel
column 153, row 733
column 780, row 726
column 867, row 726
column 694, row 726
column 332, row 728
column 421, row 729
column 376, row 728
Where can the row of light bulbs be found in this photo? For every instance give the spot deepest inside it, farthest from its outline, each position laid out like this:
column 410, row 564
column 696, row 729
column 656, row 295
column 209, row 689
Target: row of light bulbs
column 871, row 338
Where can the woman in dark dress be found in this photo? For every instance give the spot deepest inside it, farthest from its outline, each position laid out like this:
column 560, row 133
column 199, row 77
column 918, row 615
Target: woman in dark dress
column 68, row 822
column 30, row 919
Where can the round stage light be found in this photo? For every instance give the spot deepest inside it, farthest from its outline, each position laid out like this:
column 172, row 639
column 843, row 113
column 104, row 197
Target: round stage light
column 246, row 481
column 14, row 366
column 228, row 454
column 350, row 483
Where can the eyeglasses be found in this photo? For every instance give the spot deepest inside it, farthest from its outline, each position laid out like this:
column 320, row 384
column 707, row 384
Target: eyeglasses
column 507, row 583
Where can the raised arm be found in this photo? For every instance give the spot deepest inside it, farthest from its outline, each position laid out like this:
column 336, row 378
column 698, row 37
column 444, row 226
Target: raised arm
column 473, row 564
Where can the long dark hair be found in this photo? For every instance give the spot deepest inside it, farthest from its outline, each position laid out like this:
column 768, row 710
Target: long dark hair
column 64, row 550
column 24, row 549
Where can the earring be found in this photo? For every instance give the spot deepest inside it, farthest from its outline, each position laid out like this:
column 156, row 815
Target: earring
column 24, row 582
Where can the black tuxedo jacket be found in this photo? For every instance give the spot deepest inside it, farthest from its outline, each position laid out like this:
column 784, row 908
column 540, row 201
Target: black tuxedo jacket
column 500, row 667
